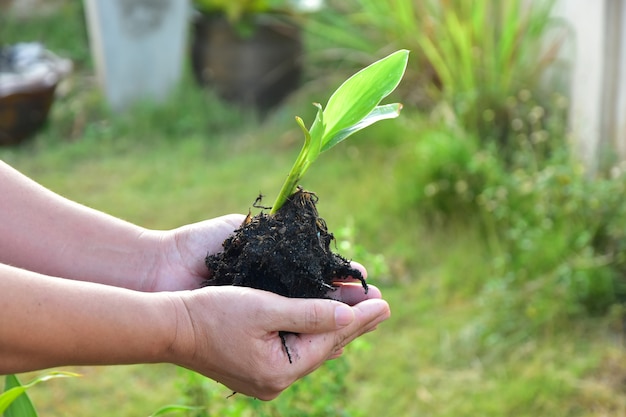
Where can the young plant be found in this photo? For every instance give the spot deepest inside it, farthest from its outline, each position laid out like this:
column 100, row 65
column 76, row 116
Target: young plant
column 288, row 250
column 352, row 107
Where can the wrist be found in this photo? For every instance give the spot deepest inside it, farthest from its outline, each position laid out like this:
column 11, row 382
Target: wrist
column 150, row 248
column 178, row 341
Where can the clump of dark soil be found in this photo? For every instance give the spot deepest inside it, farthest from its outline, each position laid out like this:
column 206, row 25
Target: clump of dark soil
column 287, row 253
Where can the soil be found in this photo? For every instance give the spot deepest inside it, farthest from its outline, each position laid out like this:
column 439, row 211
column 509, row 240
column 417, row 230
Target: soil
column 288, row 253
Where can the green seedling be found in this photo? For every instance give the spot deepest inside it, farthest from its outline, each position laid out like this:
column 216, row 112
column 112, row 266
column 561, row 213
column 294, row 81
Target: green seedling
column 288, row 251
column 352, row 107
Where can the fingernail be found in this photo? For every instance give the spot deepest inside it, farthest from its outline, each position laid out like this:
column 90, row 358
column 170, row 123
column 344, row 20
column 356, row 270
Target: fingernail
column 343, row 315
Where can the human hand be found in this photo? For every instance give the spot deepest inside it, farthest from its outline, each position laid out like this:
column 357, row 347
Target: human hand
column 230, row 334
column 181, row 252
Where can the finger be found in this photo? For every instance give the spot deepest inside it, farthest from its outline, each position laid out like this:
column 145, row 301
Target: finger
column 336, row 354
column 359, row 268
column 368, row 315
column 309, row 316
column 308, row 349
column 353, row 293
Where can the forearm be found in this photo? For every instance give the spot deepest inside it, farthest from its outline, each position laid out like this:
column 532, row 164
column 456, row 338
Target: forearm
column 48, row 322
column 44, row 232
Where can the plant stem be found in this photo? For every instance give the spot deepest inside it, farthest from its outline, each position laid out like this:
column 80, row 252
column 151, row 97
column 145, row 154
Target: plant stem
column 290, row 184
column 299, row 168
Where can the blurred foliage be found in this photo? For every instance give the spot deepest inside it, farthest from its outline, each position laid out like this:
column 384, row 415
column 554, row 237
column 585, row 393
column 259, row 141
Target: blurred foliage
column 553, row 233
column 469, row 58
column 320, row 395
column 501, row 257
column 237, row 9
column 560, row 236
column 494, row 150
column 452, row 166
column 61, row 27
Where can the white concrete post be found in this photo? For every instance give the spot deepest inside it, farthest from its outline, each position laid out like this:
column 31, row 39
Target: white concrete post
column 585, row 53
column 597, row 54
column 137, row 46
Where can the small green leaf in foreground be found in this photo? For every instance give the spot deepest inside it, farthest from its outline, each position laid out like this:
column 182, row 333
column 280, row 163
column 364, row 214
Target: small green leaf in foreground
column 21, row 405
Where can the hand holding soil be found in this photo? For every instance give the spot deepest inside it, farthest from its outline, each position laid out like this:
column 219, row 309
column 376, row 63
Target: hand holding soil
column 230, row 334
column 288, row 251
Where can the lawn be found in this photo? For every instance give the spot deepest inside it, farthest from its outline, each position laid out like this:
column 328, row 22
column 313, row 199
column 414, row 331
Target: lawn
column 195, row 157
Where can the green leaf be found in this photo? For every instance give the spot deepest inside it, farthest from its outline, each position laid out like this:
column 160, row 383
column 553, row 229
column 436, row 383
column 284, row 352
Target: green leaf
column 352, row 107
column 360, row 94
column 15, row 397
column 387, row 111
column 13, row 401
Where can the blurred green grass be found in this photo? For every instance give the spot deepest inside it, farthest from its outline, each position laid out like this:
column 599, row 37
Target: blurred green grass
column 194, row 157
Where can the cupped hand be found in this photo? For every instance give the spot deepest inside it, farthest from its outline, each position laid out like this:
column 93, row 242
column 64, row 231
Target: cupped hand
column 230, row 334
column 182, row 251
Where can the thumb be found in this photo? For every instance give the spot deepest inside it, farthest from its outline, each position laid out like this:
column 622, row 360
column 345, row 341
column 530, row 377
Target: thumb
column 312, row 315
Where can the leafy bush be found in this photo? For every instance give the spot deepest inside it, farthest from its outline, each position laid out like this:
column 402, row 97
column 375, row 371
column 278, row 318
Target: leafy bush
column 560, row 232
column 451, row 167
column 553, row 237
column 482, row 54
column 443, row 172
column 472, row 56
column 556, row 241
column 554, row 234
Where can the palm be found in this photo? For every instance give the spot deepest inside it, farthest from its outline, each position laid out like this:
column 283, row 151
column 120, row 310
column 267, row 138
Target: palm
column 183, row 251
